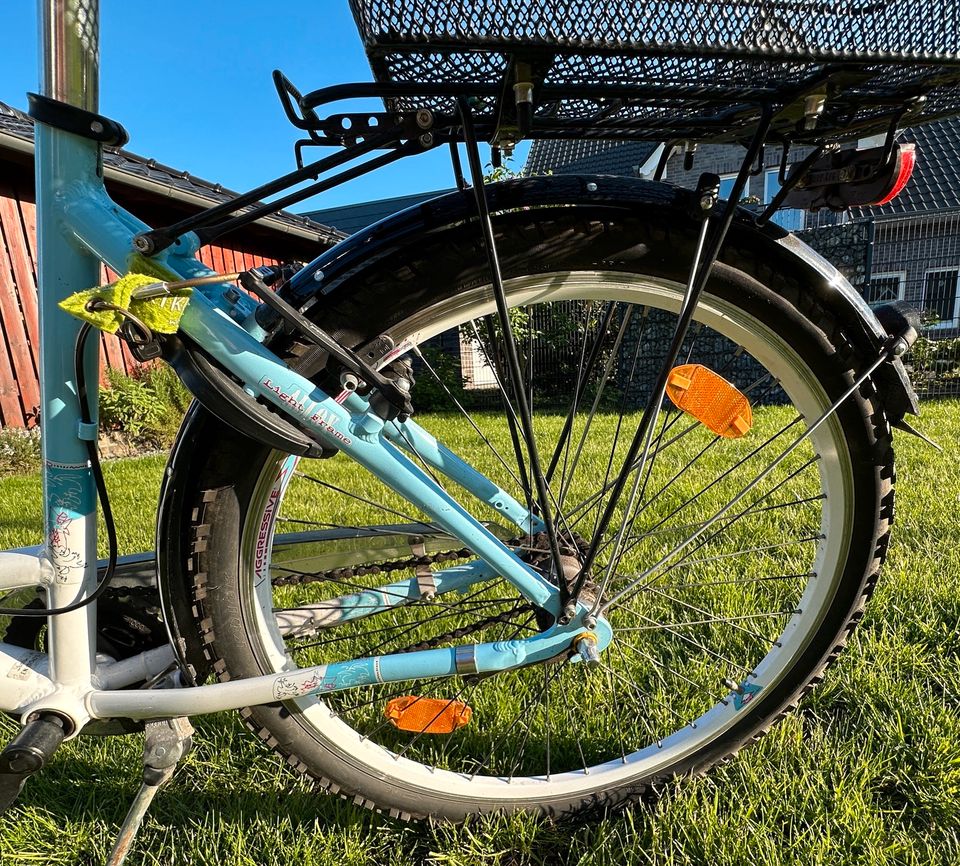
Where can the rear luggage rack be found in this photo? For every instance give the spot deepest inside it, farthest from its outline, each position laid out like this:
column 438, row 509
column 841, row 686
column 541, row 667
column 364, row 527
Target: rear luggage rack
column 670, row 69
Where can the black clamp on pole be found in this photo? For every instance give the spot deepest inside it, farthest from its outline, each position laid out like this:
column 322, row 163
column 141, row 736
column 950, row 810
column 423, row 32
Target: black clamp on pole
column 79, row 121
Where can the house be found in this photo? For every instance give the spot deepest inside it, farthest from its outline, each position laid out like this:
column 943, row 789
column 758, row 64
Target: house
column 908, row 249
column 351, row 218
column 157, row 194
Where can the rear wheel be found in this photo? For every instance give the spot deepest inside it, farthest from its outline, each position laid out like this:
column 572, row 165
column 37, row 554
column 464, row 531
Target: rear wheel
column 709, row 648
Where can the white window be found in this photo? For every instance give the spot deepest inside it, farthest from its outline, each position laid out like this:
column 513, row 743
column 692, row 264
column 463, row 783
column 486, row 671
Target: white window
column 476, row 371
column 885, row 288
column 791, row 219
column 941, row 298
column 726, row 185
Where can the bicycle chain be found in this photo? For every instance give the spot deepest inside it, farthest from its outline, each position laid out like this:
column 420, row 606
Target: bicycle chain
column 149, row 593
column 337, row 574
column 389, row 566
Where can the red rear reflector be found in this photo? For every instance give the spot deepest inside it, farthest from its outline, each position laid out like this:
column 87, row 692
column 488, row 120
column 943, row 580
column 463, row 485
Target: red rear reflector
column 908, row 160
column 427, row 715
column 711, row 399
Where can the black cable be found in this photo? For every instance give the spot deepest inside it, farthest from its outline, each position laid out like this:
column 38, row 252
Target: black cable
column 91, row 445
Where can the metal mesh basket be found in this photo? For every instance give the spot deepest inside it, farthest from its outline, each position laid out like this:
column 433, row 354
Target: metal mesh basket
column 801, row 30
column 696, row 59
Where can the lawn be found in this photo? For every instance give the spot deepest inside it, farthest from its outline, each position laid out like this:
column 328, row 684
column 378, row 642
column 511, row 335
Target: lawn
column 868, row 771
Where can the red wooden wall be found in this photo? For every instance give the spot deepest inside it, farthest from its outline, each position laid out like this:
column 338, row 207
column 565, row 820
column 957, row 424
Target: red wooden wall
column 19, row 344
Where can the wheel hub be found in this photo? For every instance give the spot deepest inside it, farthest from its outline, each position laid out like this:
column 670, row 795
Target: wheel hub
column 535, row 551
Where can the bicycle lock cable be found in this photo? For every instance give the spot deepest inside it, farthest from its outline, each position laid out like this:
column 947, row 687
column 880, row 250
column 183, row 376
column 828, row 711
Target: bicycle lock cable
column 94, row 457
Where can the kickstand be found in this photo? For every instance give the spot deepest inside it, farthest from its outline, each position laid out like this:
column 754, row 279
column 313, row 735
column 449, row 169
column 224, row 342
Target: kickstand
column 166, row 741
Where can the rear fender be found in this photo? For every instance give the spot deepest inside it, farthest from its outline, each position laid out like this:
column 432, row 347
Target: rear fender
column 770, row 244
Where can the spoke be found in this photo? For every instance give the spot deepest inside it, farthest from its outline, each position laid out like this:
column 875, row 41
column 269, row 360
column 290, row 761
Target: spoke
column 695, row 622
column 407, row 628
column 665, row 426
column 546, row 715
column 697, row 456
column 370, row 632
column 657, row 665
column 563, row 440
column 726, row 472
column 750, row 550
column 716, row 481
column 669, row 630
column 521, row 713
column 607, row 484
column 739, row 580
column 511, row 415
column 469, row 418
column 358, row 497
column 581, row 507
column 829, row 412
column 595, row 497
column 751, row 509
column 567, row 475
column 619, row 646
column 616, row 709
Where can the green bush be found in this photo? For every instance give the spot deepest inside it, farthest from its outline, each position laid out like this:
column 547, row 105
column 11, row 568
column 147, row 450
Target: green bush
column 934, row 365
column 147, row 406
column 19, row 451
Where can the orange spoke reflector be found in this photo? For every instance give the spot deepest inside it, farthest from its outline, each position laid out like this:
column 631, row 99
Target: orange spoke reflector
column 427, row 715
column 711, row 399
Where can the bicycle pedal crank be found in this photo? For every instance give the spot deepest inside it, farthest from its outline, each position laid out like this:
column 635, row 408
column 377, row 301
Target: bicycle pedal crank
column 28, row 752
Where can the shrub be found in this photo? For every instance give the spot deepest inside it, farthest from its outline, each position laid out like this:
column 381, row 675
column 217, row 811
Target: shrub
column 147, row 406
column 934, row 365
column 19, row 451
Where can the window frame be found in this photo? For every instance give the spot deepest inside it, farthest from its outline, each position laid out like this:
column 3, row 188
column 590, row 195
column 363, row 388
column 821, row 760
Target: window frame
column 943, row 324
column 767, row 198
column 901, row 284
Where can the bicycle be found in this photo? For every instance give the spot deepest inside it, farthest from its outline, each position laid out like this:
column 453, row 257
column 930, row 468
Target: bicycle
column 632, row 600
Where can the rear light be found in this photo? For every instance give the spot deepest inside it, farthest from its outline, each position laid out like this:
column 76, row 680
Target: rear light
column 854, row 178
column 908, row 160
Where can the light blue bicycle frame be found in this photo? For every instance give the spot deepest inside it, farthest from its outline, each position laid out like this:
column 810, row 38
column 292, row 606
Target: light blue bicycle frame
column 79, row 227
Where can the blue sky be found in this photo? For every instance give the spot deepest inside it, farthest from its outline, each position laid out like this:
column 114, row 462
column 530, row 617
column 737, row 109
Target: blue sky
column 191, row 83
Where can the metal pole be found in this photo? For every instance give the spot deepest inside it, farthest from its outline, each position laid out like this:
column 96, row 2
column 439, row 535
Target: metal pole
column 70, row 62
column 65, row 163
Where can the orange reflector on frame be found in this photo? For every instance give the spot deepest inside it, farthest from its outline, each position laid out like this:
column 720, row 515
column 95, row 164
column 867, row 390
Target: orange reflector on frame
column 427, row 715
column 711, row 399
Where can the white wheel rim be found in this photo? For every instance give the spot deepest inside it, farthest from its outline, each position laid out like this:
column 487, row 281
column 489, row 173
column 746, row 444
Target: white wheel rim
column 835, row 473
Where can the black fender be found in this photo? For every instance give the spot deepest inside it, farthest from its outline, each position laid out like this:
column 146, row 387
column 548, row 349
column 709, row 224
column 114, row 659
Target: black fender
column 770, row 244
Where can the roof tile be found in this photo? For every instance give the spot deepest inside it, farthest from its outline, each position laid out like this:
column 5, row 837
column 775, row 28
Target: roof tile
column 19, row 125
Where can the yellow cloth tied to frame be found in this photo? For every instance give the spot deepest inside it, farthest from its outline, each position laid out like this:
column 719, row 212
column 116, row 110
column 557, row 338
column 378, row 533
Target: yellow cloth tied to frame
column 160, row 314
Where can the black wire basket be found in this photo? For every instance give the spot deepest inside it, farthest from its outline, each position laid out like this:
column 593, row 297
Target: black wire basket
column 679, row 68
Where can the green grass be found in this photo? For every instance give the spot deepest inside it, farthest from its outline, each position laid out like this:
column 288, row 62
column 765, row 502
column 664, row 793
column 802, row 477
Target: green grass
column 866, row 772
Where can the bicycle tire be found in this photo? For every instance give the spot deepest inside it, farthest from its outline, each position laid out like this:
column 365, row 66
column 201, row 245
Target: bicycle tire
column 554, row 251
